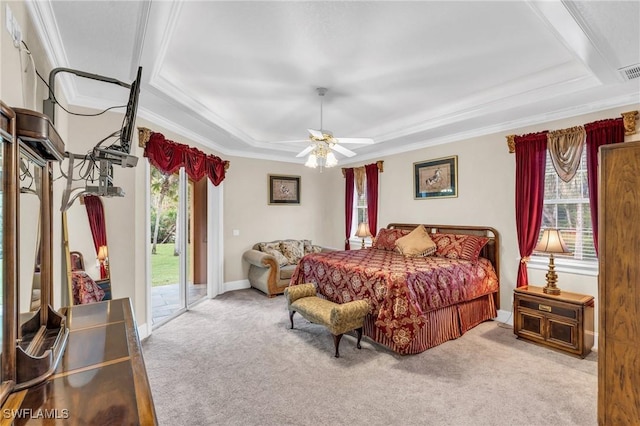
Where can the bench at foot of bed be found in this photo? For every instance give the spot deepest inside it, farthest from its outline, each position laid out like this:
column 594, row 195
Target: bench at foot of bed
column 338, row 318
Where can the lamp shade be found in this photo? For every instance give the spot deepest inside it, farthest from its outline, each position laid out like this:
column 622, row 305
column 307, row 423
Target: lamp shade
column 103, row 253
column 552, row 242
column 363, row 230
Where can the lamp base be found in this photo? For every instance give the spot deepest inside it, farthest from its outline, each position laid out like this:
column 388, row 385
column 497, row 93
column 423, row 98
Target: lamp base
column 552, row 279
column 554, row 291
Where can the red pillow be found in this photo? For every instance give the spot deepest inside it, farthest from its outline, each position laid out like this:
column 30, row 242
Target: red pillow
column 386, row 238
column 457, row 246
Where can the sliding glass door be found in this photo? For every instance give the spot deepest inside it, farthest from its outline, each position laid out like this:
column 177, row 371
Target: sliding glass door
column 176, row 279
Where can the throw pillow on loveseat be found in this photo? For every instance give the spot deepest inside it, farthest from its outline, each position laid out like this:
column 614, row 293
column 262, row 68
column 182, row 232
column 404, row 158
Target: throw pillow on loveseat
column 271, row 264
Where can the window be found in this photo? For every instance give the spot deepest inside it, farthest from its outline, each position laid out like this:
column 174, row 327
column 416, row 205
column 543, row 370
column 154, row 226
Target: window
column 359, row 215
column 566, row 207
column 360, row 207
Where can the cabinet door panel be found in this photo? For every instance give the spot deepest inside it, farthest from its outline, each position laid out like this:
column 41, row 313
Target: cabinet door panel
column 562, row 333
column 531, row 324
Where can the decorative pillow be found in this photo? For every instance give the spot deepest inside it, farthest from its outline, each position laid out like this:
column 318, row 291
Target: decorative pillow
column 293, row 250
column 269, row 246
column 416, row 243
column 457, row 246
column 310, row 248
column 280, row 258
column 386, row 238
column 274, row 250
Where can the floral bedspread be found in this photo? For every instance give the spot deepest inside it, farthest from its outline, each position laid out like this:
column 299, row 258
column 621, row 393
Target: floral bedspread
column 399, row 289
column 85, row 289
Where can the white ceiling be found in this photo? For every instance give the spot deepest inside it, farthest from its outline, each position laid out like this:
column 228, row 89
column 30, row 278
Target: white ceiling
column 238, row 76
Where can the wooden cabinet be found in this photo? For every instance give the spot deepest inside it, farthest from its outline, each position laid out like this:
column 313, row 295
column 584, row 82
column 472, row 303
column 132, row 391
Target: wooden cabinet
column 619, row 285
column 563, row 322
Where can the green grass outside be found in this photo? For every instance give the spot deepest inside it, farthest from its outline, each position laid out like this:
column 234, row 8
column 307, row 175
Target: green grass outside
column 164, row 266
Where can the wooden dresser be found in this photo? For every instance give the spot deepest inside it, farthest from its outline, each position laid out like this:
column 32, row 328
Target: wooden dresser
column 101, row 379
column 619, row 285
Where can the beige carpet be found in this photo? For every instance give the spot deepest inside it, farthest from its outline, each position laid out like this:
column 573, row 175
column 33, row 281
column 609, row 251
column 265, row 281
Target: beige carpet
column 234, row 361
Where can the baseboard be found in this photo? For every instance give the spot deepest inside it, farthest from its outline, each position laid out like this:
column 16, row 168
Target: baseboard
column 143, row 331
column 505, row 317
column 595, row 340
column 236, row 285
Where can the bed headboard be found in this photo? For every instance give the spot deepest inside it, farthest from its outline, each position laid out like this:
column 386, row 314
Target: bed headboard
column 490, row 251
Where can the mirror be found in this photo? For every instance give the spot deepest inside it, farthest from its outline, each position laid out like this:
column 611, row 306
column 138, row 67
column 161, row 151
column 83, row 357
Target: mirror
column 30, row 199
column 88, row 272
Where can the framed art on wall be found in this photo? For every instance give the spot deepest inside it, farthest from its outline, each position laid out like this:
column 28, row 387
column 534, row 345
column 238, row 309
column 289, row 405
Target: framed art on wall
column 284, row 189
column 436, row 178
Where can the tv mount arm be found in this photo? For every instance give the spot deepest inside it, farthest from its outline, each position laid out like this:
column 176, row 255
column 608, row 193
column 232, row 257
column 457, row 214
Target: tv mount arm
column 105, row 157
column 49, row 104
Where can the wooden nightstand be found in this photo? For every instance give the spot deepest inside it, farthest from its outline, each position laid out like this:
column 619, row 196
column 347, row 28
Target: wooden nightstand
column 563, row 322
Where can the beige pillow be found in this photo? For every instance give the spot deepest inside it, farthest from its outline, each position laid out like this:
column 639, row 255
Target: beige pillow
column 417, row 243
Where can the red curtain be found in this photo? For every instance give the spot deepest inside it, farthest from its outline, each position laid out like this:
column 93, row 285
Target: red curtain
column 95, row 213
column 599, row 133
column 531, row 158
column 168, row 156
column 372, row 197
column 348, row 206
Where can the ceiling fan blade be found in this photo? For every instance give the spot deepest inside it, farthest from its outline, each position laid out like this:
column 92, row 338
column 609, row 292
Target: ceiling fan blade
column 367, row 141
column 305, row 151
column 293, row 141
column 344, row 151
column 316, row 133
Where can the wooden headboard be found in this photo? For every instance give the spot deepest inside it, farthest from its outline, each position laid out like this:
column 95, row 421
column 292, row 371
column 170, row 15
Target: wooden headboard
column 490, row 251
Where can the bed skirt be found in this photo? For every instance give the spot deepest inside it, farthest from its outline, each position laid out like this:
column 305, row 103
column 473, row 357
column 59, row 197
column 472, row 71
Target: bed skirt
column 442, row 325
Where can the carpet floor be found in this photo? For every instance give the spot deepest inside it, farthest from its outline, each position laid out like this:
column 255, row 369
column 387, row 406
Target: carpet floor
column 233, row 360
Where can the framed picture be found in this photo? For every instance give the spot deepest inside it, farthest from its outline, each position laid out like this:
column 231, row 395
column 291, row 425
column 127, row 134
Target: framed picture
column 284, row 189
column 436, row 178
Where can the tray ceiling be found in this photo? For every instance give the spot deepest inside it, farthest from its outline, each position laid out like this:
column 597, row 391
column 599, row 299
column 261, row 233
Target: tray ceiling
column 238, row 76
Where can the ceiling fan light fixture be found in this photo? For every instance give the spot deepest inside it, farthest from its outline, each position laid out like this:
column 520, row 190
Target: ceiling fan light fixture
column 331, row 160
column 312, row 161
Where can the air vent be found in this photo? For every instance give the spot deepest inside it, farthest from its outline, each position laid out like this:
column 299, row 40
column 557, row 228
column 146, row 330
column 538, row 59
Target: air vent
column 630, row 72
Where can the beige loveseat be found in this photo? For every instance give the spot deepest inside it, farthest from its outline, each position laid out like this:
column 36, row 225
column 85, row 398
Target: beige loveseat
column 271, row 264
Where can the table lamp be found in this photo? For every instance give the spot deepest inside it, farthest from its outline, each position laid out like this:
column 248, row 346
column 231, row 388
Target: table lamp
column 551, row 242
column 363, row 231
column 103, row 259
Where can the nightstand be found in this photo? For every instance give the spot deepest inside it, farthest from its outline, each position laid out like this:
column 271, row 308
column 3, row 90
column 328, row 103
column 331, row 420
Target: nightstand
column 563, row 322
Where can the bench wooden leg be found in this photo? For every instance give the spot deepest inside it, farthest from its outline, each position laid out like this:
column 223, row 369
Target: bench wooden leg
column 291, row 317
column 359, row 332
column 336, row 342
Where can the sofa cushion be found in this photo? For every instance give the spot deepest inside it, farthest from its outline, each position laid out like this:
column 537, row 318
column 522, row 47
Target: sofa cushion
column 287, row 271
column 293, row 250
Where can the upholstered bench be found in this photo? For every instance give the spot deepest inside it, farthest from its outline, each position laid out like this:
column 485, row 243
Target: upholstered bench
column 338, row 318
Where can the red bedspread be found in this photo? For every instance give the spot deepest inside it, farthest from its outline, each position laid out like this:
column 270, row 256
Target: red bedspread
column 400, row 289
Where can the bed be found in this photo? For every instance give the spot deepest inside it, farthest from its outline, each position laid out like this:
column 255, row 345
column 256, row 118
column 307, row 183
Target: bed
column 416, row 302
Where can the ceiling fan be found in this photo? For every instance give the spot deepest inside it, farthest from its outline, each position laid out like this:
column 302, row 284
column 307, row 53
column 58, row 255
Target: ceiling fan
column 323, row 143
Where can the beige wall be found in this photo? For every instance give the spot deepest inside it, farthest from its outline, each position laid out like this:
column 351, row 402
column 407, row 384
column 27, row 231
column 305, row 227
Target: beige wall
column 486, row 191
column 246, row 209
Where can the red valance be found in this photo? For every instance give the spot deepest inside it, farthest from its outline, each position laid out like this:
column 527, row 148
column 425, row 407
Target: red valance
column 168, row 156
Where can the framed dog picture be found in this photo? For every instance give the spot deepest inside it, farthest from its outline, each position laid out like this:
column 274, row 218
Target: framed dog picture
column 284, row 189
column 436, row 178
